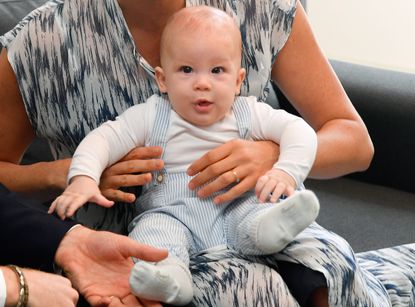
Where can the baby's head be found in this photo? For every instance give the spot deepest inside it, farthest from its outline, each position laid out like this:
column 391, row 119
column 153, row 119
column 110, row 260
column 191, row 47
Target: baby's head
column 201, row 64
column 203, row 22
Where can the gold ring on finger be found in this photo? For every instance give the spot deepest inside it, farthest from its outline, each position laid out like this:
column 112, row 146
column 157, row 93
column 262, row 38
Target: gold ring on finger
column 237, row 180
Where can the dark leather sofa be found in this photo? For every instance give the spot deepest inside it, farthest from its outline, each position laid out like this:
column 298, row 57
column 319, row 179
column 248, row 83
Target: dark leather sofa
column 373, row 209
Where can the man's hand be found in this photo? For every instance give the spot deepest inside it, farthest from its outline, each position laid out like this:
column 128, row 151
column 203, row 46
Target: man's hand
column 98, row 263
column 44, row 289
column 132, row 301
column 133, row 170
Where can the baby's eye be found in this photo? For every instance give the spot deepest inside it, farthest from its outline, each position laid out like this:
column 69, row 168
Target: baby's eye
column 186, row 69
column 217, row 70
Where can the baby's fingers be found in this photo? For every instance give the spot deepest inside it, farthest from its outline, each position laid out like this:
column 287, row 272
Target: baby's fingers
column 52, row 207
column 268, row 188
column 289, row 190
column 260, row 185
column 62, row 206
column 65, row 206
column 279, row 189
column 74, row 203
column 72, row 207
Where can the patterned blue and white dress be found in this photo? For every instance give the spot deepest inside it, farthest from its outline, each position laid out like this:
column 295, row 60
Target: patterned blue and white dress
column 77, row 66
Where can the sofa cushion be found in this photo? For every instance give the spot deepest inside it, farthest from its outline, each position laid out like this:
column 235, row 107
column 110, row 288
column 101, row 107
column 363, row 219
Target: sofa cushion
column 13, row 10
column 368, row 216
column 386, row 101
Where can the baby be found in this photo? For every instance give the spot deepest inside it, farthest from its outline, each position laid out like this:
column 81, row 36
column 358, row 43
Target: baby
column 198, row 109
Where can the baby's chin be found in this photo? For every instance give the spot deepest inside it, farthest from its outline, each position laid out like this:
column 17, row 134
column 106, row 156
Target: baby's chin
column 204, row 120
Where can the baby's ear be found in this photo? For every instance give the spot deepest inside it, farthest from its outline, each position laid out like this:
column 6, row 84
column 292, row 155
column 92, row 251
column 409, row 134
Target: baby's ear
column 239, row 80
column 161, row 79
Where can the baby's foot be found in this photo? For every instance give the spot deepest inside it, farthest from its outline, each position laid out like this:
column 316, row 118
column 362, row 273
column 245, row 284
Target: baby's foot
column 280, row 224
column 167, row 283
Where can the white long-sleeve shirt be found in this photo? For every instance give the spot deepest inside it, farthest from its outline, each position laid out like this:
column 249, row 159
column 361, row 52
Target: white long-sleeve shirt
column 3, row 293
column 186, row 143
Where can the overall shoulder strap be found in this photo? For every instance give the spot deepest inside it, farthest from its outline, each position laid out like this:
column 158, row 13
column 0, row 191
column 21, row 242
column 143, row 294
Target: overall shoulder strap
column 159, row 131
column 161, row 122
column 243, row 116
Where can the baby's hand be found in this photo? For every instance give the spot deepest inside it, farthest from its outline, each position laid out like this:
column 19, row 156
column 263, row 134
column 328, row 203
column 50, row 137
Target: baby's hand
column 82, row 189
column 273, row 184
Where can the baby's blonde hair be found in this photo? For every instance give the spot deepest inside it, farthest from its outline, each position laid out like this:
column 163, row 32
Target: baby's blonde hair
column 198, row 18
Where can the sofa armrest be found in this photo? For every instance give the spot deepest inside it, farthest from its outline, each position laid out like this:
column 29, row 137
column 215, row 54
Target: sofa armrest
column 14, row 10
column 386, row 101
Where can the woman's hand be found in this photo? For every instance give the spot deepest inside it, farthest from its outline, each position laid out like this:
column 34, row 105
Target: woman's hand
column 133, row 170
column 238, row 161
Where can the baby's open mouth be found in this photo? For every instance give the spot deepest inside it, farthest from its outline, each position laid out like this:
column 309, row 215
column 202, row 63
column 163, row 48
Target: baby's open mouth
column 204, row 103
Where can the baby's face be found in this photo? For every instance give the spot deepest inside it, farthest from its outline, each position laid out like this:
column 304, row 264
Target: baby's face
column 202, row 75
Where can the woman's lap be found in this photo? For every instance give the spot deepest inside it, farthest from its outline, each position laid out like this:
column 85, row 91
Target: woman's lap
column 224, row 278
column 377, row 278
column 328, row 253
column 395, row 264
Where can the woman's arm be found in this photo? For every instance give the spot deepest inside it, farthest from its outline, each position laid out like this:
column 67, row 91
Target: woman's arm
column 16, row 134
column 305, row 76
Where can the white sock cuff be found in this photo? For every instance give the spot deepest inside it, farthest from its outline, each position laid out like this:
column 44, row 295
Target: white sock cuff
column 254, row 225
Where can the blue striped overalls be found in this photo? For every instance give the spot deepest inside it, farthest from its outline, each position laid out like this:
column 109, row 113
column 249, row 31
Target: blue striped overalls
column 185, row 224
column 173, row 217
